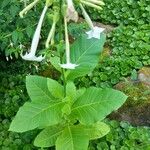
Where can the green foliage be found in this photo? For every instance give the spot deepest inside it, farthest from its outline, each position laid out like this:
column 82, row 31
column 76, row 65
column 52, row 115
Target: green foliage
column 123, row 136
column 13, row 78
column 41, row 113
column 95, row 104
column 130, row 51
column 16, row 33
column 13, row 28
column 13, row 95
column 127, row 12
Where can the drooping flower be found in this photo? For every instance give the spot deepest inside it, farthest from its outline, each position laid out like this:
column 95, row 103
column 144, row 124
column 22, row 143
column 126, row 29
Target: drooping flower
column 68, row 64
column 51, row 34
column 93, row 3
column 71, row 12
column 95, row 31
column 31, row 55
column 26, row 9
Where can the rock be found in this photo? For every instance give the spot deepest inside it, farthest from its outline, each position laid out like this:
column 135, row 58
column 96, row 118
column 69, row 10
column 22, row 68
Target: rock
column 136, row 110
column 144, row 76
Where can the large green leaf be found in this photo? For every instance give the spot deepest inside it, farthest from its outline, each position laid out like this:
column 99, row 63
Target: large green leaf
column 95, row 104
column 55, row 88
column 48, row 136
column 85, row 52
column 72, row 138
column 37, row 114
column 37, row 88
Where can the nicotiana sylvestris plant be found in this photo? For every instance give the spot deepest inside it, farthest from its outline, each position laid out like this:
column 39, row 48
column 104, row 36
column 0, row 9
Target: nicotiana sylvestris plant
column 68, row 117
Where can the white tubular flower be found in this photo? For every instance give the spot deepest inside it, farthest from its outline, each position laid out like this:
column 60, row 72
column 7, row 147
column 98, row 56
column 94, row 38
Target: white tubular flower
column 31, row 55
column 68, row 64
column 30, row 6
column 71, row 12
column 95, row 31
column 86, row 16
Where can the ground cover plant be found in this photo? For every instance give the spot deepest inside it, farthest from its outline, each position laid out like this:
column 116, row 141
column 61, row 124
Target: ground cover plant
column 127, row 12
column 68, row 117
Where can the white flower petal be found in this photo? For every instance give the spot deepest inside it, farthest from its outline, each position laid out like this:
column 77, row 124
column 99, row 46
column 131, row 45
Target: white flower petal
column 30, row 57
column 68, row 66
column 95, row 32
column 36, row 36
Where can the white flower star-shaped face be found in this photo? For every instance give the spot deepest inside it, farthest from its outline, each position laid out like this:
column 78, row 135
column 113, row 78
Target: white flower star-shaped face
column 95, row 32
column 68, row 66
column 31, row 57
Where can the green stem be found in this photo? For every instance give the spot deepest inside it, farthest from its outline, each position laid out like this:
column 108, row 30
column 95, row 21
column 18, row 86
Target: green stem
column 61, row 54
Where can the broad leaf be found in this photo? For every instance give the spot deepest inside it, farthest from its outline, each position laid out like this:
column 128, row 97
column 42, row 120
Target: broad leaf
column 37, row 114
column 95, row 104
column 97, row 130
column 85, row 53
column 48, row 136
column 72, row 138
column 55, row 88
column 80, row 92
column 37, row 88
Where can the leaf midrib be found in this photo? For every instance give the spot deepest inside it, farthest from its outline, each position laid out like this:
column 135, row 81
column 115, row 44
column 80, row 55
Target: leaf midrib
column 43, row 91
column 86, row 105
column 52, row 136
column 84, row 53
column 46, row 108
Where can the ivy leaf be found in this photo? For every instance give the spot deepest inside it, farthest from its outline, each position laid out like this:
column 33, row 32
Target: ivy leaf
column 96, row 103
column 85, row 53
column 72, row 138
column 37, row 88
column 48, row 136
column 37, row 114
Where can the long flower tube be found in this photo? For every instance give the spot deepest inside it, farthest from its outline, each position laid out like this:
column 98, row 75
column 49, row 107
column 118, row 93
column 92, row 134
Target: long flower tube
column 71, row 12
column 95, row 31
column 26, row 9
column 68, row 64
column 31, row 55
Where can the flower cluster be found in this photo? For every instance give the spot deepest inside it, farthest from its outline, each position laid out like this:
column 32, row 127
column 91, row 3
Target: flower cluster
column 70, row 13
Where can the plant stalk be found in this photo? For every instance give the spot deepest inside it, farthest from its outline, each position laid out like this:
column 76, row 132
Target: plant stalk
column 60, row 39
